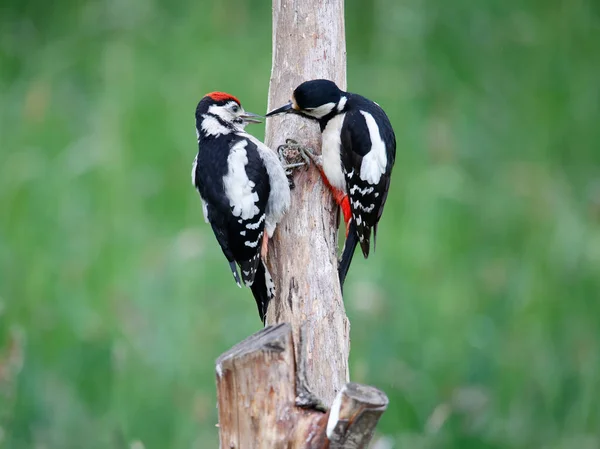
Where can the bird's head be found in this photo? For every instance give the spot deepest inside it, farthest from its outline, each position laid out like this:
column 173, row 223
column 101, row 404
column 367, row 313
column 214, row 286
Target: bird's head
column 222, row 113
column 314, row 99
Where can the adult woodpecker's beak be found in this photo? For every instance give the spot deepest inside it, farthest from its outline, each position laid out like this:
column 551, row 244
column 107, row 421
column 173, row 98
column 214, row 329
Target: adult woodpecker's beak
column 249, row 117
column 285, row 108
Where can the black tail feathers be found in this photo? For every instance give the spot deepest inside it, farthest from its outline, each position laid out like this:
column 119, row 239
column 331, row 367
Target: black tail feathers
column 248, row 269
column 263, row 289
column 347, row 253
column 365, row 242
column 234, row 271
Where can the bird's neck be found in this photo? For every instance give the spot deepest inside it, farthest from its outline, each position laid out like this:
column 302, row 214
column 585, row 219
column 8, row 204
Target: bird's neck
column 340, row 108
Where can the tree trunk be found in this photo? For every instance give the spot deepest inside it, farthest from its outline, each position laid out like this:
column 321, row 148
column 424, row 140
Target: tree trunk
column 301, row 358
column 256, row 394
column 308, row 43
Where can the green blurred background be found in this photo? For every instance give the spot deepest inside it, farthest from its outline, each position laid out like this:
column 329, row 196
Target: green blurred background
column 479, row 313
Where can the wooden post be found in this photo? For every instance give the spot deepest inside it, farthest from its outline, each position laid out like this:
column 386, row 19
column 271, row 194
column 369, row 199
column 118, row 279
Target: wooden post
column 308, row 42
column 271, row 386
column 256, row 393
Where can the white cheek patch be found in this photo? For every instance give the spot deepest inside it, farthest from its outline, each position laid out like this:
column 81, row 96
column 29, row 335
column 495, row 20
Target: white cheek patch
column 341, row 104
column 322, row 110
column 221, row 112
column 374, row 163
column 238, row 188
column 212, row 127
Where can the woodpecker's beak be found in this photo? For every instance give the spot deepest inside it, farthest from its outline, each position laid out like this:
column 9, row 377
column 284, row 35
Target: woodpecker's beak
column 285, row 108
column 249, row 117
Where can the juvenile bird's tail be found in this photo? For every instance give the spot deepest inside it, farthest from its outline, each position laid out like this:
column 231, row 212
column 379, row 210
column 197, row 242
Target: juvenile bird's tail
column 347, row 253
column 263, row 289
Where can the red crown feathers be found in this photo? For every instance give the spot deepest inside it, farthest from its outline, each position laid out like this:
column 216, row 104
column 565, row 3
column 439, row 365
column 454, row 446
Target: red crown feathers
column 222, row 96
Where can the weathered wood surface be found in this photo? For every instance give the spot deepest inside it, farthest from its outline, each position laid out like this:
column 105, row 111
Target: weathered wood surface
column 256, row 384
column 304, row 353
column 353, row 416
column 308, row 43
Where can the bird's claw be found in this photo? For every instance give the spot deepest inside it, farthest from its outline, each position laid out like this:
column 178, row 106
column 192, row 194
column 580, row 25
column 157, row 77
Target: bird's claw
column 292, row 155
column 309, row 156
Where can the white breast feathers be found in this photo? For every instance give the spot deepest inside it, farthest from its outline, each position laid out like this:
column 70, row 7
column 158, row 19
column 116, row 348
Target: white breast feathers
column 332, row 165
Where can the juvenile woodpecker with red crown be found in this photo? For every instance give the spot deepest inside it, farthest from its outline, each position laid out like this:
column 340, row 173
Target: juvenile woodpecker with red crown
column 243, row 188
column 358, row 153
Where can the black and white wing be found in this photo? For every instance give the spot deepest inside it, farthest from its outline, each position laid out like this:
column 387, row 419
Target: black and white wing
column 234, row 186
column 236, row 190
column 369, row 149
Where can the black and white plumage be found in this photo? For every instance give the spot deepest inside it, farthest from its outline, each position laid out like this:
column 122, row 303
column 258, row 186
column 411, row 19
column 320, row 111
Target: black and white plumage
column 243, row 188
column 358, row 153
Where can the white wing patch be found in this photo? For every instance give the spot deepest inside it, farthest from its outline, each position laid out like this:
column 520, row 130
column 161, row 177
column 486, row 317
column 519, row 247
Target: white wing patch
column 332, row 141
column 238, row 188
column 374, row 163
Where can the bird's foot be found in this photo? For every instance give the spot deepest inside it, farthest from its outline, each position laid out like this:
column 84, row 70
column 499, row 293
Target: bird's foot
column 309, row 156
column 291, row 157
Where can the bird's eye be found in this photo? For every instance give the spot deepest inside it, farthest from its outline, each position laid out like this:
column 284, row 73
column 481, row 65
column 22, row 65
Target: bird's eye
column 235, row 108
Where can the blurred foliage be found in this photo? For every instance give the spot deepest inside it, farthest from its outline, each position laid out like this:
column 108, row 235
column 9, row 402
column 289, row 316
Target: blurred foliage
column 478, row 314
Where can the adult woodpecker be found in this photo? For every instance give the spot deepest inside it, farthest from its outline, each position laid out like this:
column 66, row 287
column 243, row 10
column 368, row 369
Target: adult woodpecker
column 358, row 153
column 243, row 188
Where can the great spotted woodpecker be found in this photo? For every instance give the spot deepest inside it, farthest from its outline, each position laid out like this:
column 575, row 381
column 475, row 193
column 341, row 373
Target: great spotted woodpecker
column 243, row 188
column 358, row 153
